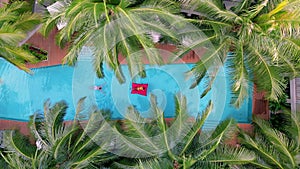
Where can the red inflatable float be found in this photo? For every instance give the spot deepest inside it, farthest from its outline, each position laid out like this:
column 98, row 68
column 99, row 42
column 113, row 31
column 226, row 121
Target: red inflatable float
column 139, row 89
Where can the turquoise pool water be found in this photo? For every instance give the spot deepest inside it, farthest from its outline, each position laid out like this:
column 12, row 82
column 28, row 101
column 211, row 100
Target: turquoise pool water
column 23, row 94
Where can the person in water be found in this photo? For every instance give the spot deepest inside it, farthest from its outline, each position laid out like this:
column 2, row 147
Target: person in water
column 97, row 87
column 141, row 88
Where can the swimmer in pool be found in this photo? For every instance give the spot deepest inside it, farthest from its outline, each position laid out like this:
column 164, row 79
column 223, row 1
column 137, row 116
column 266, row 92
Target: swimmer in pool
column 97, row 87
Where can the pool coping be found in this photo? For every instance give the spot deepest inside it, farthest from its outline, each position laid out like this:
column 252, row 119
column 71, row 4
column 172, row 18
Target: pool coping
column 22, row 126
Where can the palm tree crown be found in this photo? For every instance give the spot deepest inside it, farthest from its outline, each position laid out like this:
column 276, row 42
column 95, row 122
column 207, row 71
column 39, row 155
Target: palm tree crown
column 111, row 28
column 177, row 144
column 262, row 38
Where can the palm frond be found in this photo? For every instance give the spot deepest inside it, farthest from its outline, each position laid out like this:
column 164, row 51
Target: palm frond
column 155, row 164
column 269, row 79
column 284, row 18
column 269, row 155
column 50, row 23
column 137, row 127
column 128, row 50
column 223, row 130
column 232, row 156
column 215, row 10
column 161, row 125
column 281, row 52
column 120, row 165
column 74, row 49
column 241, row 5
column 16, row 60
column 287, row 18
column 95, row 132
column 14, row 161
column 271, row 5
column 180, row 123
column 16, row 23
column 192, row 40
column 196, row 127
column 18, row 143
column 278, row 140
column 294, row 128
column 210, row 62
column 256, row 9
column 27, row 22
column 119, row 28
column 10, row 36
column 138, row 140
column 240, row 76
column 60, row 149
column 143, row 138
column 145, row 43
column 131, row 147
column 290, row 48
column 53, row 117
column 36, row 126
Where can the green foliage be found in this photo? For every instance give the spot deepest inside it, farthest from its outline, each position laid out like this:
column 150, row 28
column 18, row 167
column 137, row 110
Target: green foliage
column 111, row 28
column 262, row 39
column 274, row 148
column 61, row 145
column 16, row 21
column 280, row 119
column 179, row 143
column 281, row 104
column 22, row 148
column 40, row 54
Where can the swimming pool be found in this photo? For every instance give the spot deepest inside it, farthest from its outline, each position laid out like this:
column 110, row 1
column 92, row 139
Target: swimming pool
column 23, row 94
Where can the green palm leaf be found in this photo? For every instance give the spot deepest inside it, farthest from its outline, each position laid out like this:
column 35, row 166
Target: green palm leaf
column 196, row 128
column 234, row 156
column 240, row 76
column 16, row 21
column 223, row 129
column 267, row 73
column 262, row 149
column 263, row 38
column 17, row 143
column 54, row 120
column 137, row 127
column 294, row 128
column 213, row 9
column 278, row 140
column 155, row 164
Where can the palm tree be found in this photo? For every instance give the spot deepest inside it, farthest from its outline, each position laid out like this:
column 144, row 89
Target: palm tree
column 259, row 39
column 177, row 144
column 274, row 148
column 60, row 145
column 16, row 21
column 113, row 27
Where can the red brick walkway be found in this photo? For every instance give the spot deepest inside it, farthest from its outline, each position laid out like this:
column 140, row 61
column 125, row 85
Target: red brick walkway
column 56, row 54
